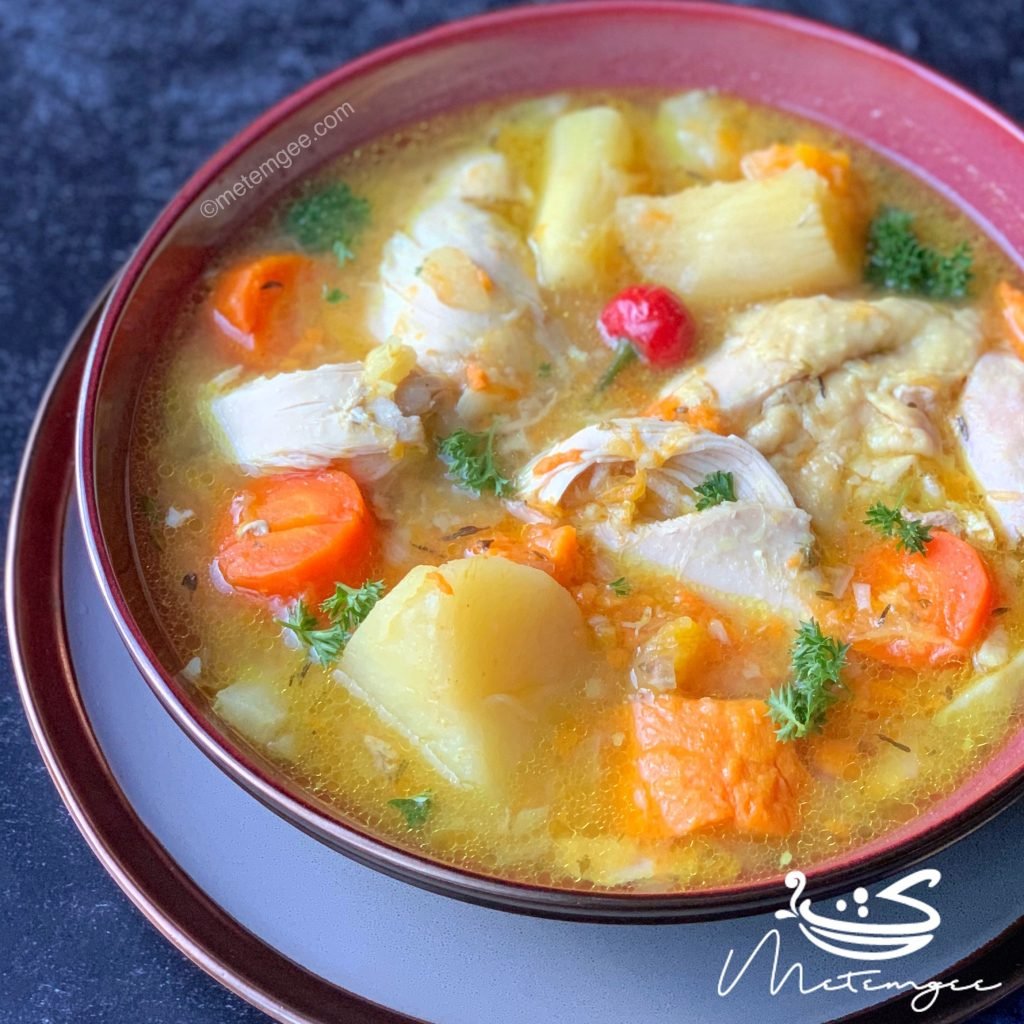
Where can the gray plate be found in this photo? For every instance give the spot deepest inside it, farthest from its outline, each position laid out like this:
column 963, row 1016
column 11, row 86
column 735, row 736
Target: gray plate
column 432, row 957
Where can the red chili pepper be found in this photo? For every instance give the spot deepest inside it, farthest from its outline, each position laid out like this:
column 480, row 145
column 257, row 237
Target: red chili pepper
column 646, row 322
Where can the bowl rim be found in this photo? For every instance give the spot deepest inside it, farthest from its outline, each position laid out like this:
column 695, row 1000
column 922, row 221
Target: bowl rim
column 857, row 865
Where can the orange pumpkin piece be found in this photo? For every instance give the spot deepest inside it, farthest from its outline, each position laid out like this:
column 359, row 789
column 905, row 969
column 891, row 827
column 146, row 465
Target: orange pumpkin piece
column 247, row 297
column 709, row 762
column 315, row 530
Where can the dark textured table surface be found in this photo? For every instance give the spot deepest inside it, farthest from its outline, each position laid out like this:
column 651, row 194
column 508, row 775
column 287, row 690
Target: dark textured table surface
column 108, row 105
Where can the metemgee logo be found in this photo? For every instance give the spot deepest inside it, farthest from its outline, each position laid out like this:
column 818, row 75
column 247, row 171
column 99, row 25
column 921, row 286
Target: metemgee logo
column 888, row 925
column 852, row 934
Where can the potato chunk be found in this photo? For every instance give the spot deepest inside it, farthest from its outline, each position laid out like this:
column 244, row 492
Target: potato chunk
column 469, row 661
column 738, row 242
column 589, row 153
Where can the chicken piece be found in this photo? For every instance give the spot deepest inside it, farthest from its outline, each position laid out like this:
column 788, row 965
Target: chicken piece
column 458, row 286
column 990, row 429
column 739, row 549
column 659, row 455
column 709, row 762
column 309, row 418
column 853, row 434
column 635, row 478
column 770, row 346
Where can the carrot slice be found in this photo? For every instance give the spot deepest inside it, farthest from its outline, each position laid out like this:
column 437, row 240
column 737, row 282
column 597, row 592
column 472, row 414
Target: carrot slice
column 939, row 602
column 553, row 549
column 1011, row 310
column 708, row 762
column 318, row 530
column 246, row 297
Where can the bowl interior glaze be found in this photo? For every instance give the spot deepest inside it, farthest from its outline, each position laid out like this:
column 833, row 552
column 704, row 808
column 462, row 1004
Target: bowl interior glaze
column 976, row 159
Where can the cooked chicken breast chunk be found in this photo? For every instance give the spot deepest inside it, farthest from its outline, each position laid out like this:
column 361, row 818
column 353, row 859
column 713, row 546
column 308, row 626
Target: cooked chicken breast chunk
column 458, row 284
column 309, row 418
column 991, row 433
column 634, row 481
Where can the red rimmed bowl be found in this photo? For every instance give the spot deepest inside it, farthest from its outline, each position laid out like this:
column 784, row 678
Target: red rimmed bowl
column 941, row 133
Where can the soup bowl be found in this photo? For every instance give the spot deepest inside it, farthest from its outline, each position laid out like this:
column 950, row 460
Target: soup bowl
column 975, row 158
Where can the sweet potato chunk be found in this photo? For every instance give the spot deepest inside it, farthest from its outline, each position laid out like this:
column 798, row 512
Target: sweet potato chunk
column 713, row 762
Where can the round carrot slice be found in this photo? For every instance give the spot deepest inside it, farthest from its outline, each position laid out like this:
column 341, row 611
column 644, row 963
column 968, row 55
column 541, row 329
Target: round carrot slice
column 939, row 602
column 247, row 296
column 313, row 529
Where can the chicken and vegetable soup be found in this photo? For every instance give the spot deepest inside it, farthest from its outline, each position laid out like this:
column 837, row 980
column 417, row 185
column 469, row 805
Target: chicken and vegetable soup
column 617, row 491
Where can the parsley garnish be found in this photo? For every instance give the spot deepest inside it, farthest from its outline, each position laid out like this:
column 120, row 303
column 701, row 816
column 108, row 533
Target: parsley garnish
column 545, row 370
column 470, row 460
column 799, row 707
column 714, row 489
column 415, row 809
column 349, row 606
column 333, row 295
column 326, row 644
column 898, row 260
column 346, row 608
column 621, row 586
column 327, row 218
column 890, row 522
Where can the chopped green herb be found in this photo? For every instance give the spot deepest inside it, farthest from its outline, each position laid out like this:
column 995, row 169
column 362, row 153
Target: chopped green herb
column 800, row 706
column 415, row 809
column 714, row 489
column 333, row 295
column 349, row 606
column 327, row 217
column 545, row 370
column 897, row 259
column 342, row 253
column 621, row 586
column 785, row 859
column 890, row 522
column 470, row 460
column 326, row 644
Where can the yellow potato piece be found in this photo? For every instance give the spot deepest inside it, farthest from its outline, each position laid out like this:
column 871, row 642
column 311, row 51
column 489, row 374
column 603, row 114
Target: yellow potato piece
column 589, row 153
column 469, row 661
column 739, row 242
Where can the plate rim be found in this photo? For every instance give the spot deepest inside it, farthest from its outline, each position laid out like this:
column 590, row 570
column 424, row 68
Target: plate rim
column 127, row 850
column 135, row 859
